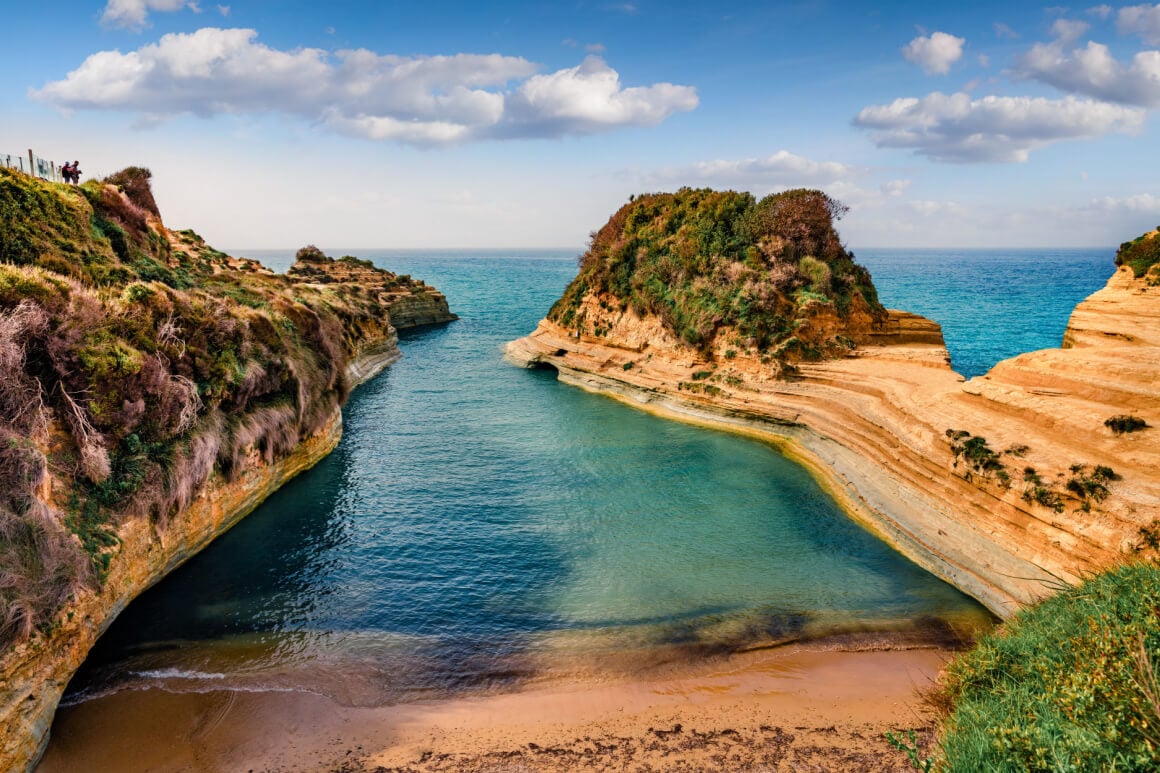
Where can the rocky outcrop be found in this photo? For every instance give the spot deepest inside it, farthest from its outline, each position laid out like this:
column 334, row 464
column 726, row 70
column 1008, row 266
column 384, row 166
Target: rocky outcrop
column 419, row 309
column 412, row 302
column 880, row 429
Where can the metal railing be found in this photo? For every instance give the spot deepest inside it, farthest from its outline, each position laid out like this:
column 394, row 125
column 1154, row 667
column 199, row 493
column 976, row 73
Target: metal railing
column 30, row 163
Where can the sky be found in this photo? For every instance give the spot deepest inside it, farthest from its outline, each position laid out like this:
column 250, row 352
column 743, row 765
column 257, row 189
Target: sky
column 278, row 123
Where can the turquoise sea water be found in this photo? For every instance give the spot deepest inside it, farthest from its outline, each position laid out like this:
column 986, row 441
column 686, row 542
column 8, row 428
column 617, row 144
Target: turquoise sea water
column 992, row 304
column 481, row 525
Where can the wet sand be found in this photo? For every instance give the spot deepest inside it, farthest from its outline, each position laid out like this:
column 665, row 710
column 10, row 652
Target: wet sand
column 790, row 708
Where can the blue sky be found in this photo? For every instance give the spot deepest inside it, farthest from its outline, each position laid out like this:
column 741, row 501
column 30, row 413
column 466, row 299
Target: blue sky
column 380, row 124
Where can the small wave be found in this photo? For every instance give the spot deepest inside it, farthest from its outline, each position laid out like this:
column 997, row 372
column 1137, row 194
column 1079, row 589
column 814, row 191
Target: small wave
column 178, row 681
column 175, row 673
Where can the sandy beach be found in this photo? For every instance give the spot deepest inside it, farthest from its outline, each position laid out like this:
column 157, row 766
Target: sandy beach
column 800, row 707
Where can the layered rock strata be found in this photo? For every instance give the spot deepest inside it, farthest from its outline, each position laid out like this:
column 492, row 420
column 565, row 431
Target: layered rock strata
column 873, row 427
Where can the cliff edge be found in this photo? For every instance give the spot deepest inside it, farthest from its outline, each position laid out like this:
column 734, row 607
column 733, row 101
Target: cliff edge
column 1006, row 485
column 153, row 391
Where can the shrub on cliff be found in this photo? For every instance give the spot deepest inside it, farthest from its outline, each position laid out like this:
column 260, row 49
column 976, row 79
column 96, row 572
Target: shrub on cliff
column 134, row 182
column 1069, row 684
column 1140, row 254
column 705, row 262
column 1124, row 423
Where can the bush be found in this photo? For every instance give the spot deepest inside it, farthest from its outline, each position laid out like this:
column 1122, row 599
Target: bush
column 1124, row 423
column 976, row 453
column 1069, row 684
column 134, row 182
column 1140, row 254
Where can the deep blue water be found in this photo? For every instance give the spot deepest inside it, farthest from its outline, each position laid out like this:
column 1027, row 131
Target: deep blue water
column 481, row 524
column 992, row 304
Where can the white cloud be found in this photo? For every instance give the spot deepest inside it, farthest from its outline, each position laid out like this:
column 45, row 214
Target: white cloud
column 585, row 99
column 934, row 54
column 1100, row 11
column 894, row 188
column 1069, row 30
column 778, row 170
column 133, row 13
column 1141, row 202
column 1142, row 20
column 1003, row 31
column 984, row 60
column 1093, row 71
column 224, row 10
column 955, row 128
column 427, row 100
column 928, row 208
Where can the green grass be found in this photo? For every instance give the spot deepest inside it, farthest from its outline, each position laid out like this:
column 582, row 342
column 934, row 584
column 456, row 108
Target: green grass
column 1066, row 685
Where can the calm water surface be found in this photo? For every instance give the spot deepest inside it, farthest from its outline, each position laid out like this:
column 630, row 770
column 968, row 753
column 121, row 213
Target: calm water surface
column 482, row 525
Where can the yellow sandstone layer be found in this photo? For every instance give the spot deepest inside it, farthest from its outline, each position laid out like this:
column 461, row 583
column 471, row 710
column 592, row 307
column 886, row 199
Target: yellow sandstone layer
column 872, row 428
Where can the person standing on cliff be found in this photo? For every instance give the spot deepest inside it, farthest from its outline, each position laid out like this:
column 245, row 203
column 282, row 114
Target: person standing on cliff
column 66, row 173
column 76, row 172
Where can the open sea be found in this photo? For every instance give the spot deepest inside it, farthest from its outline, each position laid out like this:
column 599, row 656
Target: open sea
column 482, row 526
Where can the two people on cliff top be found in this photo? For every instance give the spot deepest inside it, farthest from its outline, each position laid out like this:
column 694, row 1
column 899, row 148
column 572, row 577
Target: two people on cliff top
column 71, row 172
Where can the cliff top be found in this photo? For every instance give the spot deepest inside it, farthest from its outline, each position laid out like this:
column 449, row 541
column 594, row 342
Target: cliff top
column 724, row 271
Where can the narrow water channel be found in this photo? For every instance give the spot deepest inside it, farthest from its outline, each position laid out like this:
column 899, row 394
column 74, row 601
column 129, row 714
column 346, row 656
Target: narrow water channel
column 481, row 525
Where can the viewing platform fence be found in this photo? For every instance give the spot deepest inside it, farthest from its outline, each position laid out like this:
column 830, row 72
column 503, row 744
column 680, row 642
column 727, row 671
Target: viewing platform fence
column 32, row 164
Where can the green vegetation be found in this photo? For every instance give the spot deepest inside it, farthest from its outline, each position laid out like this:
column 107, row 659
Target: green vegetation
column 1036, row 490
column 135, row 363
column 1125, row 423
column 1141, row 255
column 711, row 264
column 974, row 451
column 979, row 458
column 1069, row 684
column 1090, row 486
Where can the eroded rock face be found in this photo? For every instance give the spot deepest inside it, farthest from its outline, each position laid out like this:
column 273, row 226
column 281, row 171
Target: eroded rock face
column 873, row 426
column 418, row 309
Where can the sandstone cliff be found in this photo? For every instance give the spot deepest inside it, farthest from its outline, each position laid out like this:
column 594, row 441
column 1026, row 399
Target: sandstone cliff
column 153, row 391
column 1005, row 485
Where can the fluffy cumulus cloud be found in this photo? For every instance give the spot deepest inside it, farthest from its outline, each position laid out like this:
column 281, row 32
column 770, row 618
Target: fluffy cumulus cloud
column 778, row 170
column 426, row 100
column 934, row 53
column 956, row 128
column 1093, row 71
column 1141, row 20
column 133, row 13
